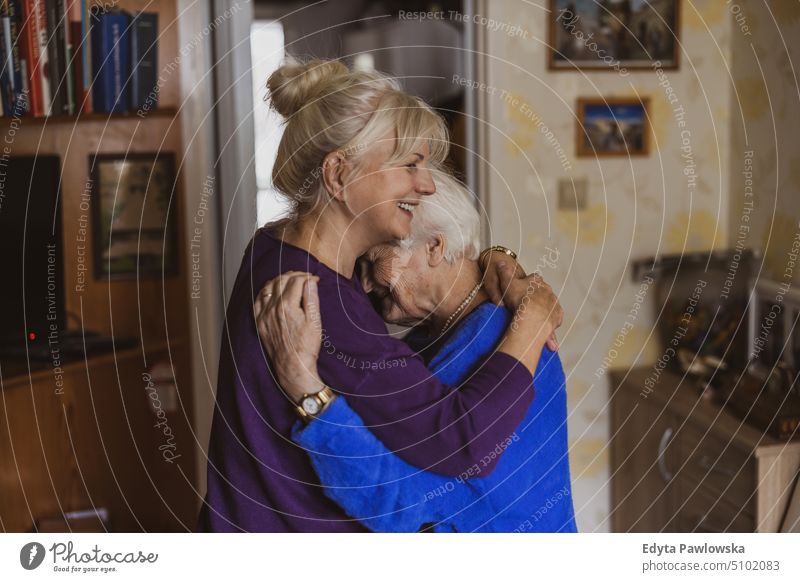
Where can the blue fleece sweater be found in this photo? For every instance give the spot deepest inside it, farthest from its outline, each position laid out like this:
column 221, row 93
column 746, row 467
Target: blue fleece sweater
column 528, row 491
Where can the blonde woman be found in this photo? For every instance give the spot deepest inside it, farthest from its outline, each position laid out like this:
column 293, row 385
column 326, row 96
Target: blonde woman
column 354, row 161
column 421, row 281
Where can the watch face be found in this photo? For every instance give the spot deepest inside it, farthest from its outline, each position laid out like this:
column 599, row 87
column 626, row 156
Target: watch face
column 310, row 405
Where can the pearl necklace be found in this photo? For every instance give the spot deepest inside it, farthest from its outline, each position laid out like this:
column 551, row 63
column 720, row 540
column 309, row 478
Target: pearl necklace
column 461, row 308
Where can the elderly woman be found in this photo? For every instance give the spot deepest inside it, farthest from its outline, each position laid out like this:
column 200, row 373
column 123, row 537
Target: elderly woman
column 432, row 280
column 353, row 160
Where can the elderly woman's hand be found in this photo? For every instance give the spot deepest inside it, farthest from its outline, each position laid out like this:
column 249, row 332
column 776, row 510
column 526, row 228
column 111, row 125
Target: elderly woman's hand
column 494, row 276
column 537, row 297
column 287, row 317
column 506, row 283
column 536, row 317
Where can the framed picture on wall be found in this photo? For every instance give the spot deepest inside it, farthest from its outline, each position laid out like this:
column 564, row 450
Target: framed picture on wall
column 612, row 127
column 134, row 227
column 613, row 35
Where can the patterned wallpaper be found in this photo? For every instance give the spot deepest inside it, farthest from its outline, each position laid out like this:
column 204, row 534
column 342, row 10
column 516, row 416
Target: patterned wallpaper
column 768, row 132
column 677, row 199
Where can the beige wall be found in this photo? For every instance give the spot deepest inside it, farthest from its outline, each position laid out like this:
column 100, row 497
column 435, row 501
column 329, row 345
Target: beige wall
column 636, row 207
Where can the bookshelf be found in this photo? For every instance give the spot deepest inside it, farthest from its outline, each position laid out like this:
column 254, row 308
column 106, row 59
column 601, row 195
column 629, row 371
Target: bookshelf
column 104, row 404
column 144, row 308
column 161, row 112
column 99, row 50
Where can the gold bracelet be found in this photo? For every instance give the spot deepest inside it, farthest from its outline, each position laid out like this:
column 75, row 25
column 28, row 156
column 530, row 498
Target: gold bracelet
column 486, row 252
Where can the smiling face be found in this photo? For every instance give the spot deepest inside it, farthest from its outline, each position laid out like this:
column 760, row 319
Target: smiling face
column 382, row 197
column 398, row 282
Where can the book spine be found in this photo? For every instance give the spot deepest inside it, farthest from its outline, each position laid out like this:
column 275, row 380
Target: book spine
column 77, row 66
column 121, row 51
column 6, row 66
column 53, row 56
column 98, row 78
column 144, row 53
column 135, row 58
column 111, row 54
column 66, row 49
column 86, row 56
column 21, row 101
column 31, row 57
column 26, row 84
column 42, row 65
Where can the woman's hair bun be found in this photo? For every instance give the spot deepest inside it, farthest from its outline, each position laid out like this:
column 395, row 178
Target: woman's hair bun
column 295, row 84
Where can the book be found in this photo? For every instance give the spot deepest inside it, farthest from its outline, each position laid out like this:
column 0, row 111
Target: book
column 40, row 56
column 76, row 66
column 6, row 63
column 64, row 25
column 29, row 46
column 18, row 63
column 144, row 61
column 86, row 56
column 110, row 60
column 56, row 59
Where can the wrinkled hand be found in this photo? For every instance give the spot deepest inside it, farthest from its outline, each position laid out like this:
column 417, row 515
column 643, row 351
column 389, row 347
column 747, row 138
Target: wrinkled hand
column 287, row 317
column 492, row 280
column 531, row 297
column 507, row 286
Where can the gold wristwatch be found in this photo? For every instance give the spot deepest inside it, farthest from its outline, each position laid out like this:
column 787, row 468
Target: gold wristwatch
column 311, row 405
column 499, row 248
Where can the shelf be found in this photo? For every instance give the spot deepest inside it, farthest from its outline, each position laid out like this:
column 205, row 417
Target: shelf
column 21, row 372
column 161, row 112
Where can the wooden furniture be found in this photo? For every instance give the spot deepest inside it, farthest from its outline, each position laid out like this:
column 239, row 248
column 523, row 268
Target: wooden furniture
column 90, row 436
column 682, row 464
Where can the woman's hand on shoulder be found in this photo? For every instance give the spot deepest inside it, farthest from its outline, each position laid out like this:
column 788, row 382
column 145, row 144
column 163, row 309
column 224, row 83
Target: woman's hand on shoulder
column 534, row 303
column 507, row 284
column 287, row 317
column 537, row 316
column 495, row 274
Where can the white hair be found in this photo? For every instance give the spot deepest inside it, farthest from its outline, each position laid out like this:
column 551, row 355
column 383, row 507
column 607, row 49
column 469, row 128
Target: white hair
column 449, row 212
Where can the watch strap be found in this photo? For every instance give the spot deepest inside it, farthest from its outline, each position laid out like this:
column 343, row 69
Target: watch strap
column 323, row 398
column 498, row 248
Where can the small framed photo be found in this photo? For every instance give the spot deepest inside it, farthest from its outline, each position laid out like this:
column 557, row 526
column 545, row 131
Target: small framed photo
column 613, row 36
column 134, row 226
column 612, row 127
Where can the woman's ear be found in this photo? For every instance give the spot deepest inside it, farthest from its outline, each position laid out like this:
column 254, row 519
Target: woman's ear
column 333, row 174
column 436, row 248
column 364, row 267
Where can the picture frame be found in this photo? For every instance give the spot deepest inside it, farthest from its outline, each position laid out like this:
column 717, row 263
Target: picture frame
column 613, row 36
column 612, row 127
column 134, row 215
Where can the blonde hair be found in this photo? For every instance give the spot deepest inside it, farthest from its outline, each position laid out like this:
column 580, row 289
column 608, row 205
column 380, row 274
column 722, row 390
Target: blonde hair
column 451, row 212
column 330, row 108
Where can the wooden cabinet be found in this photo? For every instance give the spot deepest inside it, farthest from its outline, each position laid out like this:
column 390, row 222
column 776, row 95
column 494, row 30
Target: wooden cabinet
column 683, row 464
column 640, row 482
column 93, row 438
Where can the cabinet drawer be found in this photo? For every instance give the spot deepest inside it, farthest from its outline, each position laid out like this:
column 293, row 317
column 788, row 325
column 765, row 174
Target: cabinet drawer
column 702, row 510
column 715, row 463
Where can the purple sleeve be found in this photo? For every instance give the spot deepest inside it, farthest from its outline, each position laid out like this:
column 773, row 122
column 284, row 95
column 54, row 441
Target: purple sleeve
column 427, row 424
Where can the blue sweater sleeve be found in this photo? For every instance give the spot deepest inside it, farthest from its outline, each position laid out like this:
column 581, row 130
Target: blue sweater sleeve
column 375, row 485
column 367, row 480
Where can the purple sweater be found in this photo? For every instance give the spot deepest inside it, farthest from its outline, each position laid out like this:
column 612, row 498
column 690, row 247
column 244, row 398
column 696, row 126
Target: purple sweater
column 259, row 480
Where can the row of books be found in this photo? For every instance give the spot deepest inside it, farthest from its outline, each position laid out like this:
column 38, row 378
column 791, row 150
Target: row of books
column 69, row 57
